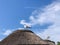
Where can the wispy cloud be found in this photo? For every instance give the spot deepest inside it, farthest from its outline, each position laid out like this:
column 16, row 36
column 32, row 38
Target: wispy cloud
column 23, row 22
column 7, row 32
column 49, row 14
column 31, row 7
column 0, row 39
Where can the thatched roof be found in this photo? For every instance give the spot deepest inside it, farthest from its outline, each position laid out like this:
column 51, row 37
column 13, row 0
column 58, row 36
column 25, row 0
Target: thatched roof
column 22, row 37
column 50, row 42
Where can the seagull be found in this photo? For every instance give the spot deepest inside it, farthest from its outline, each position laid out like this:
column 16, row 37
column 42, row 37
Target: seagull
column 27, row 26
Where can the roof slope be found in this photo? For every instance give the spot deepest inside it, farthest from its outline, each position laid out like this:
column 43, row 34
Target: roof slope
column 22, row 37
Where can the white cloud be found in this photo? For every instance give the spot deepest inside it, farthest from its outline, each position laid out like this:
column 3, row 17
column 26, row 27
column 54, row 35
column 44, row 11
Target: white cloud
column 53, row 32
column 23, row 22
column 0, row 39
column 49, row 14
column 31, row 7
column 7, row 32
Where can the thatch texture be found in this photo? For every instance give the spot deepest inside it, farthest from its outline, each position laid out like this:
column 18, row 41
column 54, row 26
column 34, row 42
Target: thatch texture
column 50, row 42
column 22, row 37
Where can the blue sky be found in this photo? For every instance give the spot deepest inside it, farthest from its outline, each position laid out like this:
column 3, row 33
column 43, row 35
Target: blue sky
column 12, row 12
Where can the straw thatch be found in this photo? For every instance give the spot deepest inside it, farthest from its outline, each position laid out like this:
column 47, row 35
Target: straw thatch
column 22, row 37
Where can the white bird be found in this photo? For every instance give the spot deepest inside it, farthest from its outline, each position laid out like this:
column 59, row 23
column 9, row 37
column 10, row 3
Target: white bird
column 27, row 26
